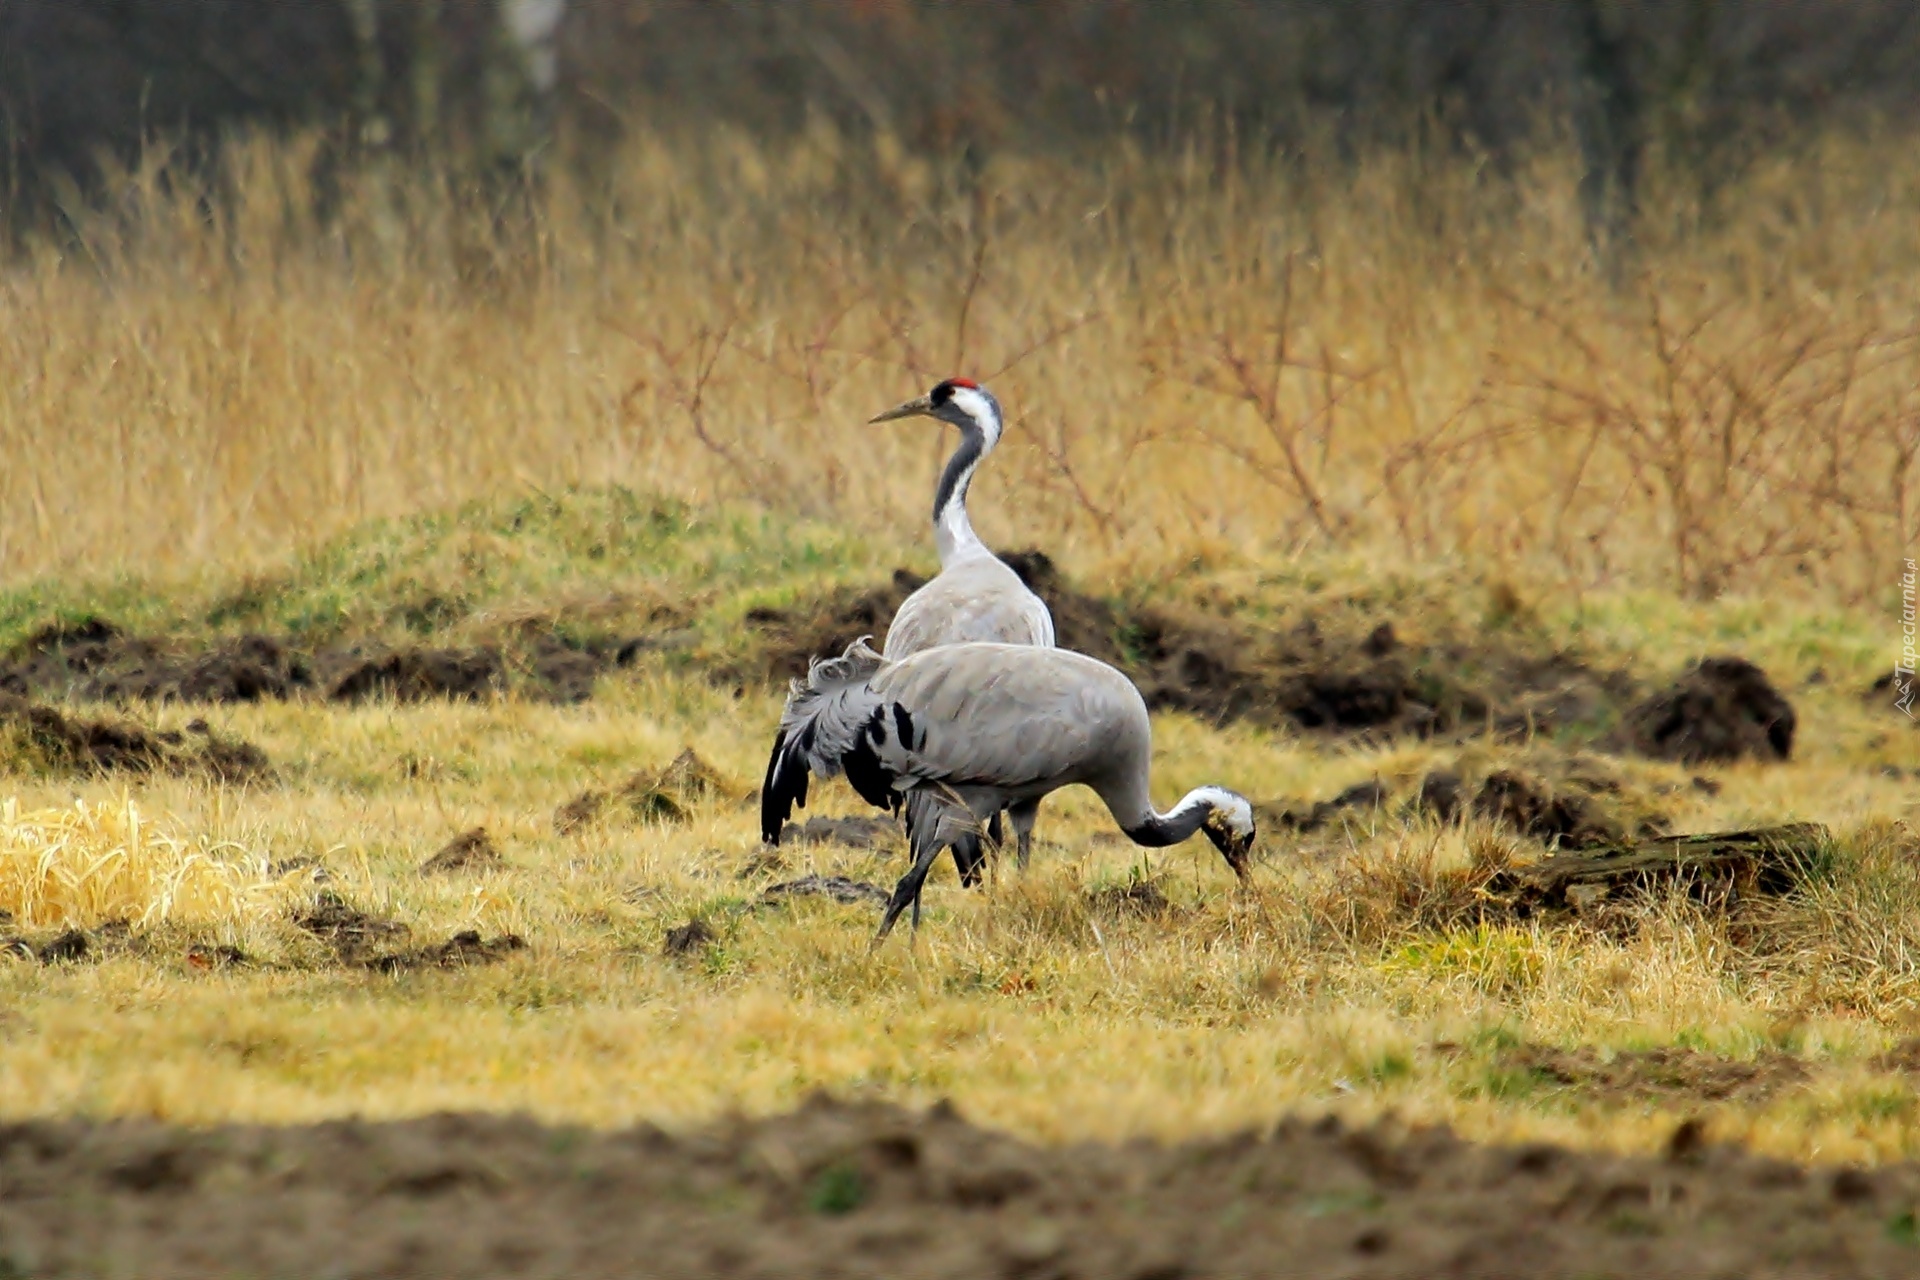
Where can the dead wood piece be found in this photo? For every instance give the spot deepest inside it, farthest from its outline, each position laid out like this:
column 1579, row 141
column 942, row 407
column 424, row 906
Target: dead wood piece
column 1761, row 860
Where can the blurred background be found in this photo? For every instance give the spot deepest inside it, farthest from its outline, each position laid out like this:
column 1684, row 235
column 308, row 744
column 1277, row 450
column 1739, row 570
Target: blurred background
column 508, row 83
column 1610, row 291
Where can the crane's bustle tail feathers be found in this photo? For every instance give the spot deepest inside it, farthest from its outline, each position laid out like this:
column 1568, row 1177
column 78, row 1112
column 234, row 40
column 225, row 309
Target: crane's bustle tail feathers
column 832, row 723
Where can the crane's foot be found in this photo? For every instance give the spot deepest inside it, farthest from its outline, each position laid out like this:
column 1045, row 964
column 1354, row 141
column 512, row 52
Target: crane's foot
column 886, row 925
column 905, row 894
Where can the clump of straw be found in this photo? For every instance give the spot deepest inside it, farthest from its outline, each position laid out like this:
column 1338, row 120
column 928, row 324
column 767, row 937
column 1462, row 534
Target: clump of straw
column 90, row 863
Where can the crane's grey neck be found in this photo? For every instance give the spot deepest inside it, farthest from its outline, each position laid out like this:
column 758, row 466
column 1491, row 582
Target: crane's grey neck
column 952, row 532
column 1147, row 826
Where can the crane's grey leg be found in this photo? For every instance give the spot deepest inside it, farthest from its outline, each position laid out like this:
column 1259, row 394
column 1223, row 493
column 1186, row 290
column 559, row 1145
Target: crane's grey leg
column 1022, row 816
column 924, row 809
column 971, row 858
column 927, row 847
column 968, row 858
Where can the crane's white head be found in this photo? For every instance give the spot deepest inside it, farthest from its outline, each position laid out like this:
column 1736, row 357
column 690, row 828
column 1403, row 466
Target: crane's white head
column 1229, row 824
column 961, row 401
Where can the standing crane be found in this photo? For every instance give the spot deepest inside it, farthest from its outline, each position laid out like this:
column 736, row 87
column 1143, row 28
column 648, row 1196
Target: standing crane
column 975, row 596
column 975, row 728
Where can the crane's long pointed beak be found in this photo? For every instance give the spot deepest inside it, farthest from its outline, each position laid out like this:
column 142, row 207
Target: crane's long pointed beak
column 920, row 406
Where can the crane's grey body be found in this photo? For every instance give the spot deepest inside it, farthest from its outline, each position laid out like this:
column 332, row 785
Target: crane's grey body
column 975, row 598
column 959, row 732
column 978, row 600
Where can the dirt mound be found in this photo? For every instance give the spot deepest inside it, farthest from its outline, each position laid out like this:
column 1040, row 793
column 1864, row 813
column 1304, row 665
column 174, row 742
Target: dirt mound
column 363, row 940
column 669, row 794
column 577, row 813
column 853, row 832
column 1523, row 804
column 1722, row 709
column 839, row 888
column 352, row 933
column 462, row 950
column 1575, row 801
column 469, row 851
column 1572, row 800
column 415, row 675
column 1359, row 677
column 874, row 1190
column 95, row 660
column 42, row 737
column 788, row 639
column 565, row 672
column 1359, row 801
column 1903, row 1057
column 691, row 938
column 65, row 947
column 1138, row 898
column 1665, row 1074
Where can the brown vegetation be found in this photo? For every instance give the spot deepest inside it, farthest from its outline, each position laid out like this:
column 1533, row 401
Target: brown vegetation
column 1403, row 356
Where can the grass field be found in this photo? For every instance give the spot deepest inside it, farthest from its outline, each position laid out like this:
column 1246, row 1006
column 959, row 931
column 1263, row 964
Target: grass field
column 1038, row 1005
column 1404, row 397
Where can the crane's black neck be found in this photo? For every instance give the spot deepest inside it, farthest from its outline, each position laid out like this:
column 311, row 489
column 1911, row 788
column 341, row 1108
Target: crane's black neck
column 952, row 530
column 1158, row 830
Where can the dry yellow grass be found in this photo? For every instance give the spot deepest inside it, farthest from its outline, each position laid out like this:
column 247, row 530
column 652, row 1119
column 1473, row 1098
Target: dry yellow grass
column 1406, row 382
column 85, row 864
column 1402, row 355
column 1029, row 1005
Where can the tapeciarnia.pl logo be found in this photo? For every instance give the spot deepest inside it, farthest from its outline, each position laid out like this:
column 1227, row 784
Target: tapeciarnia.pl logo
column 1903, row 668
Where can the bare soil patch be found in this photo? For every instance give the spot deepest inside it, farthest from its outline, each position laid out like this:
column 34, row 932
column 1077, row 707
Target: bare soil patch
column 1666, row 1074
column 786, row 640
column 1571, row 815
column 415, row 675
column 461, row 950
column 360, row 939
column 853, row 832
column 1903, row 1057
column 1136, row 898
column 353, row 934
column 110, row 938
column 1570, row 800
column 691, row 938
column 1722, row 709
column 469, row 851
column 66, row 947
column 1354, row 678
column 839, row 888
column 95, row 660
column 1359, row 802
column 667, row 794
column 876, row 1191
column 46, row 738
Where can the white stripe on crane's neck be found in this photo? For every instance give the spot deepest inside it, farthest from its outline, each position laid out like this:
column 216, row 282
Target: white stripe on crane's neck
column 1137, row 817
column 978, row 417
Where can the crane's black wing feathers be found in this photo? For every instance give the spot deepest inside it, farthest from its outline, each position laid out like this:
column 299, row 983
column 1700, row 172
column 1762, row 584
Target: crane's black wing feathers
column 865, row 773
column 833, row 723
column 784, row 789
